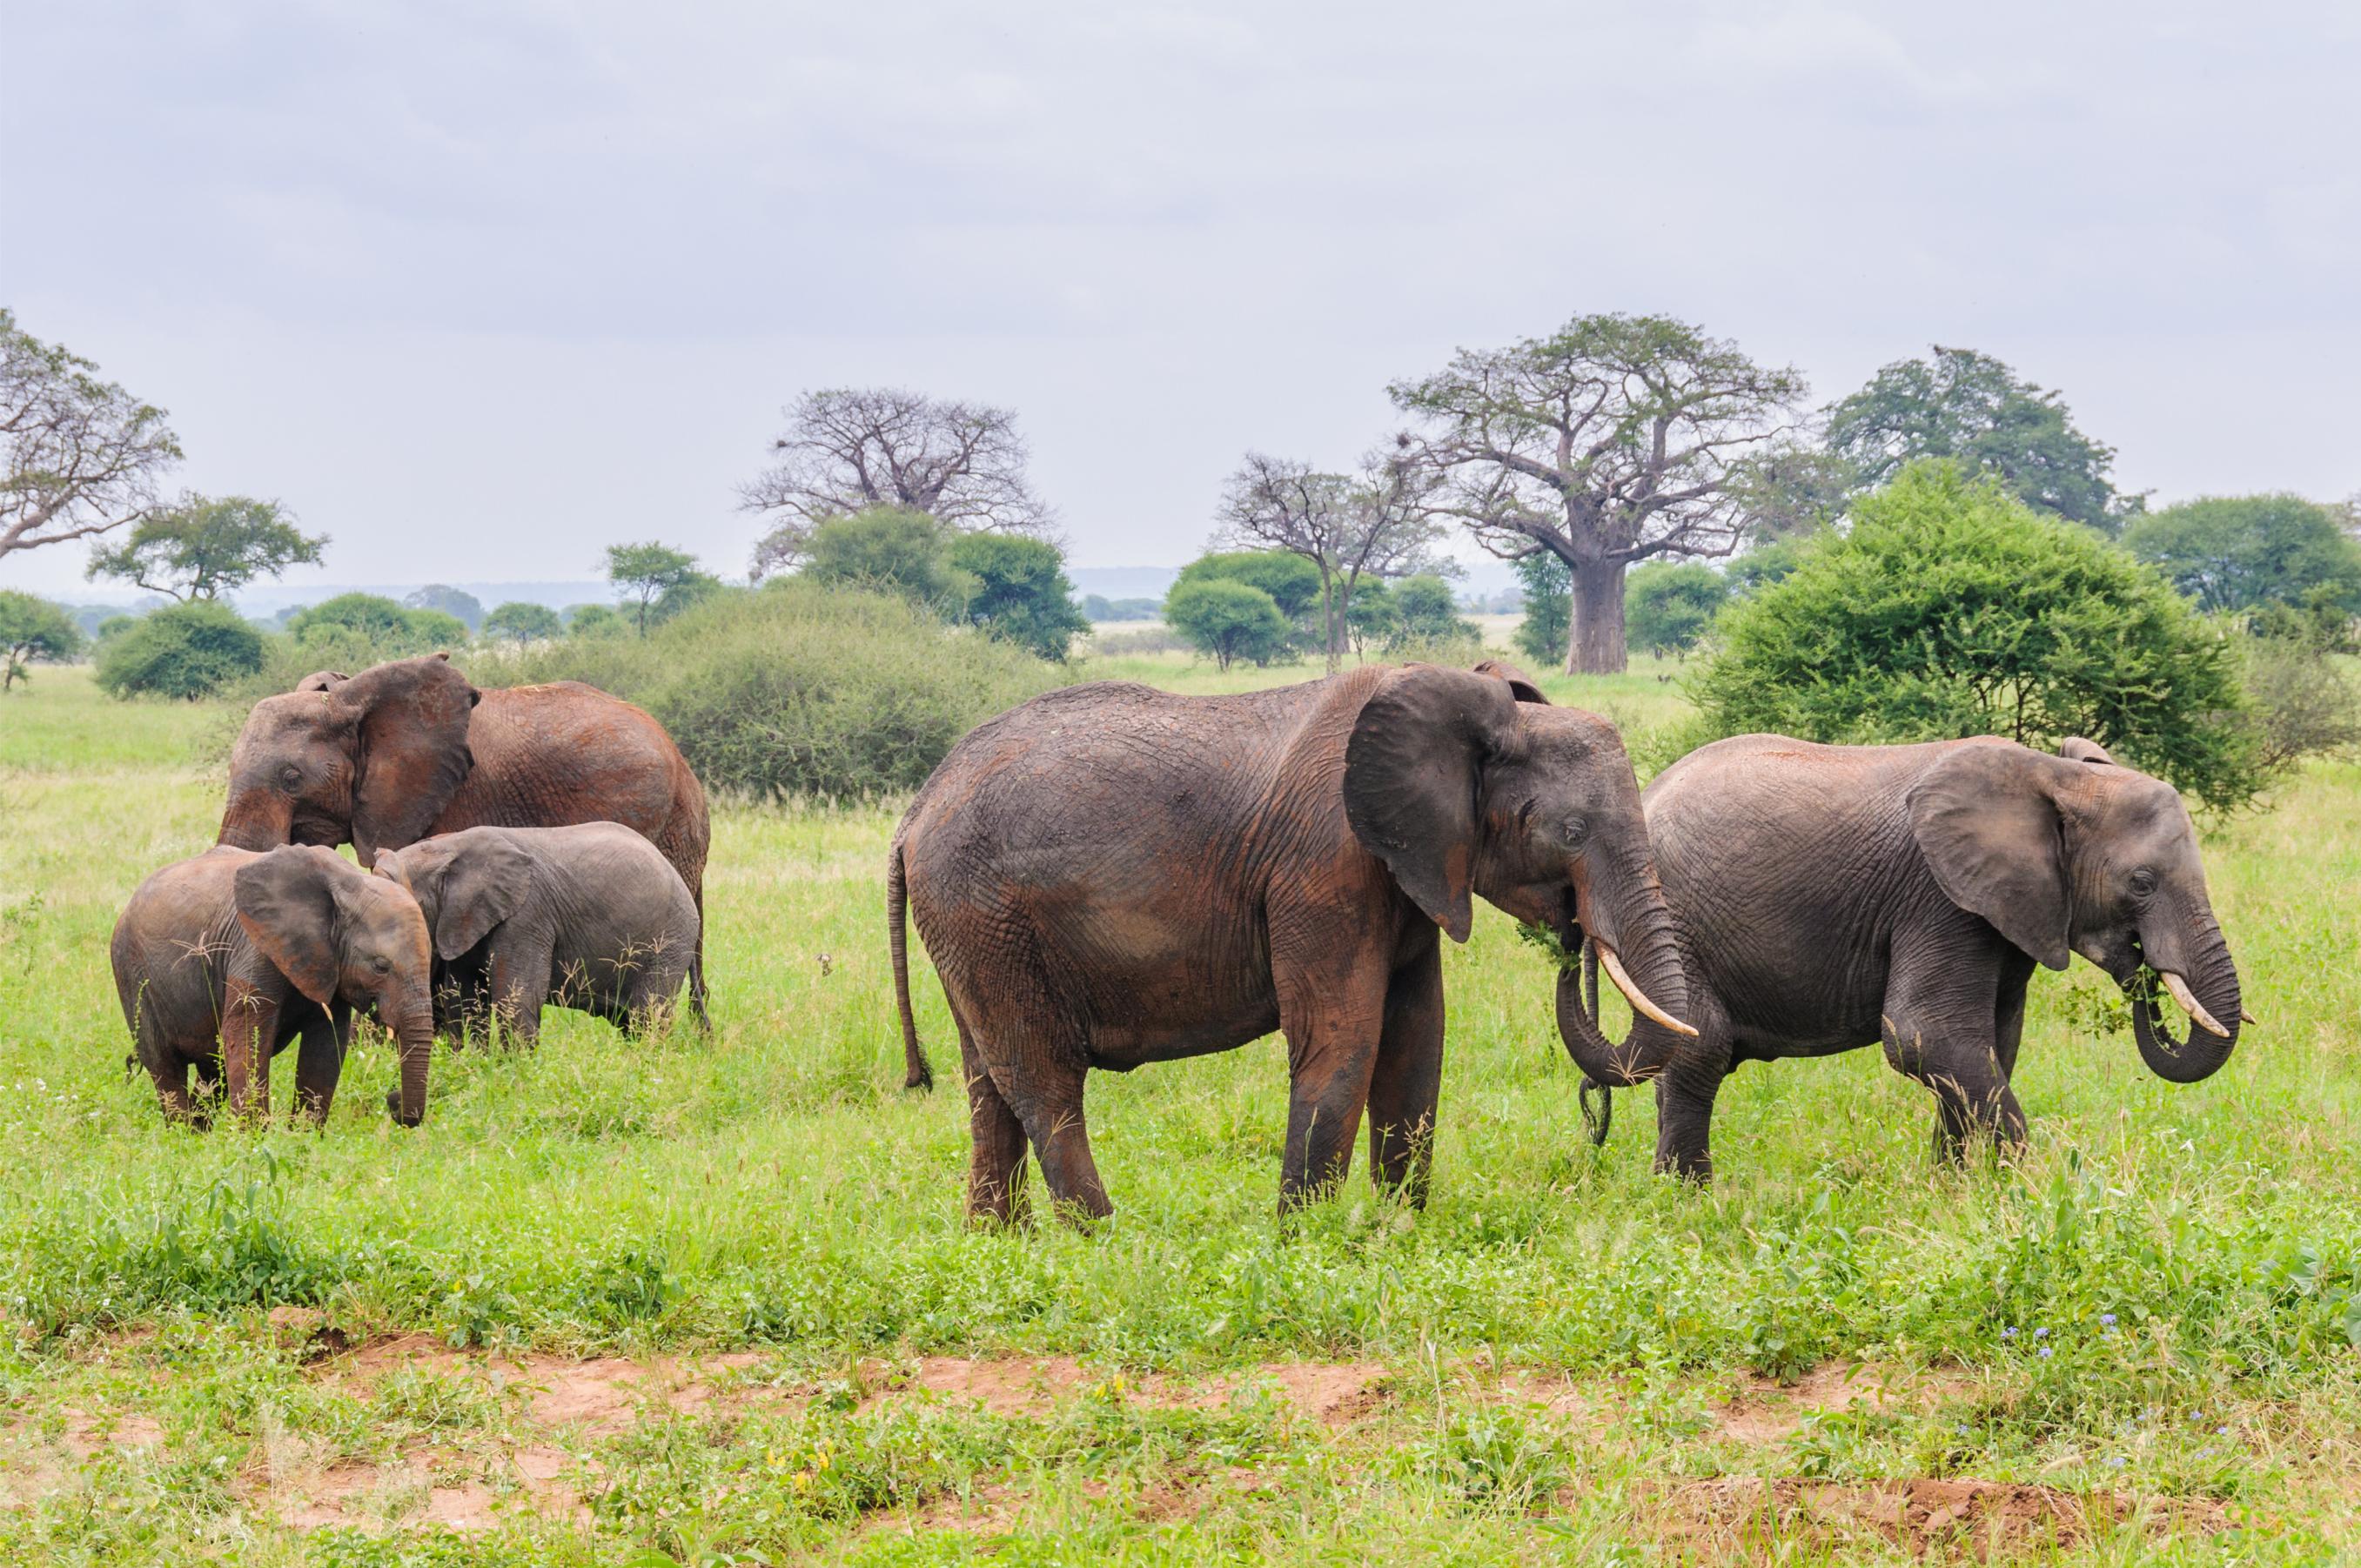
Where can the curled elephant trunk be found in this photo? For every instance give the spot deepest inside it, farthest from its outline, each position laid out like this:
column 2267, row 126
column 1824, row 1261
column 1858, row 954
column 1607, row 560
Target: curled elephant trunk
column 258, row 819
column 2208, row 997
column 1649, row 974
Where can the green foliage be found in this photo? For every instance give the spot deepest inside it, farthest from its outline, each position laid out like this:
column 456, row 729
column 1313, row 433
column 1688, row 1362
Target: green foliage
column 684, row 596
column 185, row 650
column 1022, row 595
column 2242, row 552
column 33, row 629
column 1425, row 619
column 595, row 620
column 2306, row 702
column 205, row 548
column 1291, row 582
column 521, row 621
column 1227, row 619
column 642, row 574
column 1549, row 608
column 802, row 690
column 1370, row 616
column 1766, row 564
column 459, row 605
column 1669, row 604
column 1975, row 410
column 893, row 551
column 1951, row 608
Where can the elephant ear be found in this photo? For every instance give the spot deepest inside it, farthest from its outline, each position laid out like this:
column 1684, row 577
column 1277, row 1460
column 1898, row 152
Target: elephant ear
column 1988, row 823
column 2075, row 749
column 413, row 716
column 484, row 884
column 1520, row 683
column 1410, row 777
column 321, row 681
column 287, row 905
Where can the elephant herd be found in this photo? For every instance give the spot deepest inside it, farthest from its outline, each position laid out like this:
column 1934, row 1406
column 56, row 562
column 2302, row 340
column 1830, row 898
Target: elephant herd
column 1110, row 876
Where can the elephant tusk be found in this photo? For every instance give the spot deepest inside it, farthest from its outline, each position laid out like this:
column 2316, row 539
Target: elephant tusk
column 1634, row 996
column 2180, row 991
column 2247, row 1017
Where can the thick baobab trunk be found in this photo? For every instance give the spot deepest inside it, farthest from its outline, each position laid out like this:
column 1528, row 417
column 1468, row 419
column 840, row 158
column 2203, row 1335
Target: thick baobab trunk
column 1595, row 641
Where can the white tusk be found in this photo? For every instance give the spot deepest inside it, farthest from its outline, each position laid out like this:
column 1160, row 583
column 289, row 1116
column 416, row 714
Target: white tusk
column 1635, row 996
column 2247, row 1017
column 2179, row 988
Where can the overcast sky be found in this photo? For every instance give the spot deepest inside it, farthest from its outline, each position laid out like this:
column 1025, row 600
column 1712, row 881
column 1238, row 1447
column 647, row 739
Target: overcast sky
column 479, row 287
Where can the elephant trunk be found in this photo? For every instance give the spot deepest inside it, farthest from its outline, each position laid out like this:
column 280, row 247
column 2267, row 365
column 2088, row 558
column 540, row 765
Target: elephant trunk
column 1643, row 940
column 2201, row 963
column 414, row 1032
column 258, row 819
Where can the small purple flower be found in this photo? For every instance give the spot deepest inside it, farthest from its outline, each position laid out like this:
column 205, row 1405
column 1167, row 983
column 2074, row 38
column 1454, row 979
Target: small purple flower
column 2041, row 1334
column 2106, row 1320
column 2117, row 1462
column 2221, row 1431
column 2008, row 1333
column 2044, row 1350
column 2205, row 1454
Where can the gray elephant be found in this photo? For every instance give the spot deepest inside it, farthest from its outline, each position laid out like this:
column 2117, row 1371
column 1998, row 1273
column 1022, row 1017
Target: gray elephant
column 1111, row 875
column 222, row 960
column 1829, row 896
column 591, row 917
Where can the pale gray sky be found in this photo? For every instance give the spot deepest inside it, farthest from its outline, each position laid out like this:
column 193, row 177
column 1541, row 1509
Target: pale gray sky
column 481, row 287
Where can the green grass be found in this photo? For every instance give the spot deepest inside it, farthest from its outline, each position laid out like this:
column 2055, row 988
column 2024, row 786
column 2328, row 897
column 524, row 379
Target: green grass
column 1556, row 1357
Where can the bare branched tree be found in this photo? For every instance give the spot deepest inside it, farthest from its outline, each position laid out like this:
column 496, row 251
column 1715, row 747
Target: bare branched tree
column 1615, row 439
column 1376, row 523
column 848, row 448
column 83, row 454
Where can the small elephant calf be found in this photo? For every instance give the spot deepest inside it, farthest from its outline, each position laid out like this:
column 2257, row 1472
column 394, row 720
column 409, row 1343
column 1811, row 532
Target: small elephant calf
column 223, row 959
column 591, row 917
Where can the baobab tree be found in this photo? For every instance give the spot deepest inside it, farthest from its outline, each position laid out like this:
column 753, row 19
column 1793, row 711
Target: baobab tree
column 1375, row 522
column 1614, row 439
column 850, row 448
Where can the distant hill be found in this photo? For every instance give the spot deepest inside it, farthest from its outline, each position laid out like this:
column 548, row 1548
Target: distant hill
column 267, row 601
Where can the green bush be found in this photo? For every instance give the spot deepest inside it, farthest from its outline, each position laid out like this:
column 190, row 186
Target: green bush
column 798, row 690
column 1668, row 606
column 185, row 650
column 1021, row 592
column 1548, row 583
column 596, row 621
column 1228, row 620
column 32, row 627
column 349, row 624
column 1425, row 623
column 524, row 622
column 893, row 551
column 1951, row 608
column 2243, row 552
column 1292, row 582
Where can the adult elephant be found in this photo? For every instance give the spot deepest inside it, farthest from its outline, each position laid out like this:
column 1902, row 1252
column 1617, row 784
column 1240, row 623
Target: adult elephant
column 1830, row 897
column 1110, row 876
column 408, row 748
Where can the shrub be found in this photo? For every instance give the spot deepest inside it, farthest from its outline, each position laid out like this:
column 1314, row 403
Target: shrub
column 595, row 620
column 1952, row 609
column 1767, row 564
column 1669, row 604
column 523, row 621
column 1292, row 582
column 1548, row 585
column 2304, row 704
column 893, row 551
column 1021, row 592
column 32, row 627
column 1227, row 619
column 797, row 690
column 351, row 625
column 1425, row 621
column 185, row 650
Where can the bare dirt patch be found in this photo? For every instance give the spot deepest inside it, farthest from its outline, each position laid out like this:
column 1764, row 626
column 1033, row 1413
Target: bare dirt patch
column 1765, row 1411
column 1742, row 1517
column 1335, row 1392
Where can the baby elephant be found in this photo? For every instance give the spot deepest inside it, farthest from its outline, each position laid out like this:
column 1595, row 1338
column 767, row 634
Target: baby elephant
column 223, row 959
column 591, row 916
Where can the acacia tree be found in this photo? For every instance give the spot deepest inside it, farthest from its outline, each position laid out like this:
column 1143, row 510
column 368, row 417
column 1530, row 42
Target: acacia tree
column 1614, row 439
column 1374, row 523
column 203, row 548
column 81, row 455
column 642, row 574
column 848, row 449
column 32, row 627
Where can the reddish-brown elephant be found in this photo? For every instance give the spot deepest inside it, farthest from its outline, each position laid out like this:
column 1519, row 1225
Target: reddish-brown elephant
column 410, row 749
column 1110, row 876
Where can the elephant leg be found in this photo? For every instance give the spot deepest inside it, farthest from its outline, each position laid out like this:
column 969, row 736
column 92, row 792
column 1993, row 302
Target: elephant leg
column 1686, row 1091
column 2009, row 1021
column 995, row 1168
column 519, row 985
column 1333, row 1021
column 1406, row 1084
column 1048, row 1101
column 319, row 1062
column 250, row 1028
column 1938, row 1029
column 169, row 1073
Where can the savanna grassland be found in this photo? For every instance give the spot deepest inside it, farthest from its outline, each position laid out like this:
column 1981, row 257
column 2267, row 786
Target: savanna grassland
column 711, row 1300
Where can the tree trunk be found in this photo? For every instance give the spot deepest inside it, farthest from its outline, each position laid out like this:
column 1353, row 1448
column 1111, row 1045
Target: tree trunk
column 1594, row 643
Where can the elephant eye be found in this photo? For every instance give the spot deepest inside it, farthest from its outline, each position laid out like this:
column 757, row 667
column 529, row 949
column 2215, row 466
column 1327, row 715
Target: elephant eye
column 1575, row 830
column 2143, row 882
column 290, row 776
column 382, row 964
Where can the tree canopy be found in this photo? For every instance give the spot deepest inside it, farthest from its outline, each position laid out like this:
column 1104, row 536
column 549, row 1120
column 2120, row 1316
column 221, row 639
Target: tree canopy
column 1669, row 606
column 1549, row 608
column 889, row 550
column 205, row 547
column 1614, row 439
column 2241, row 552
column 1372, row 524
column 1974, row 409
column 33, row 629
column 81, row 456
column 522, row 621
column 1291, row 582
column 849, row 449
column 642, row 574
column 1227, row 619
column 456, row 603
column 374, row 624
column 183, row 651
column 1021, row 594
column 1952, row 609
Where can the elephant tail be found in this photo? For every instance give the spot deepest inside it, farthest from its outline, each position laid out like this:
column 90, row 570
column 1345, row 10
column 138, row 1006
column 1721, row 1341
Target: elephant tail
column 897, row 902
